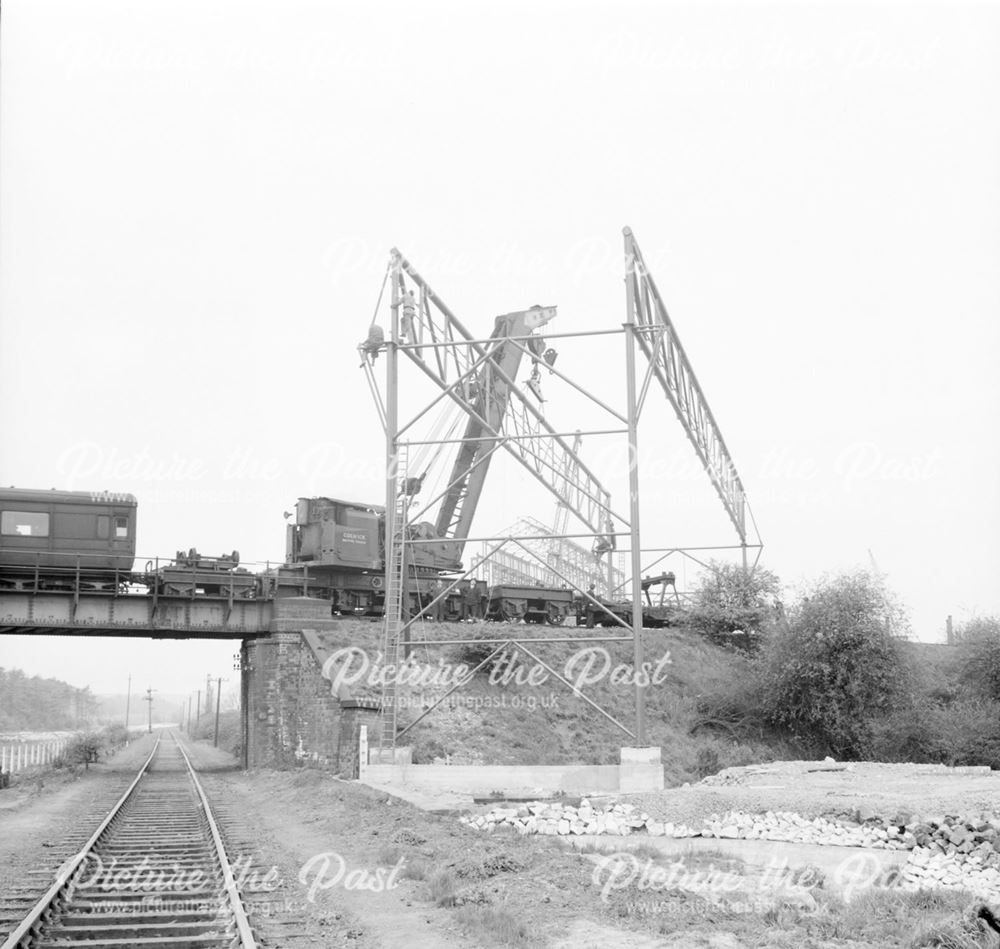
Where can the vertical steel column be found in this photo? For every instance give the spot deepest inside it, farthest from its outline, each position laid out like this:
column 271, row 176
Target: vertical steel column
column 611, row 594
column 611, row 575
column 391, row 421
column 391, row 478
column 635, row 550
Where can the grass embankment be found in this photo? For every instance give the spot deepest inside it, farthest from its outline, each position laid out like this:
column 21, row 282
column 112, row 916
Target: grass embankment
column 508, row 718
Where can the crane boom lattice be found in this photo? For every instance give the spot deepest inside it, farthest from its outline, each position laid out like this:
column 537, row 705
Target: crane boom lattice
column 658, row 340
column 479, row 376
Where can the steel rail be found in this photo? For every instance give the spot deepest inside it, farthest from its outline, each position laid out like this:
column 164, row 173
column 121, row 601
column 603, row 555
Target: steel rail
column 32, row 928
column 66, row 871
column 247, row 940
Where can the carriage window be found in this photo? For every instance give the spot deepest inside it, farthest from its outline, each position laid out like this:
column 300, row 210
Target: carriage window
column 103, row 525
column 24, row 523
column 121, row 527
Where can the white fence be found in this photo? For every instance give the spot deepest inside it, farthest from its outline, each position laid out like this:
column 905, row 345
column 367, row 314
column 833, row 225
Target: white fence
column 16, row 756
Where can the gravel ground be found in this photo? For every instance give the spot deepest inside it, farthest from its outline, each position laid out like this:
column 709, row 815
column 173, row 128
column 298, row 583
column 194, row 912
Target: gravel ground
column 816, row 788
column 294, row 817
column 203, row 756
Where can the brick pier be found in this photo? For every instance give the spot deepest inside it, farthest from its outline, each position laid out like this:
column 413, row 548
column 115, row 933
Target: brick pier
column 291, row 718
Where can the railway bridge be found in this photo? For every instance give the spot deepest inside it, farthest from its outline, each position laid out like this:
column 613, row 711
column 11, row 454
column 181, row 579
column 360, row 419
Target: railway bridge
column 289, row 714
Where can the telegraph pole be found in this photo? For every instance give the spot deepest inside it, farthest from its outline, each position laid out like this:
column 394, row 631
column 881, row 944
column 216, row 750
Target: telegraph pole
column 128, row 700
column 189, row 716
column 197, row 707
column 218, row 700
column 208, row 694
column 149, row 710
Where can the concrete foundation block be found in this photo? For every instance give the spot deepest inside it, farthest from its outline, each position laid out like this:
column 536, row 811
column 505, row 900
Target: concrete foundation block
column 641, row 769
column 640, row 755
column 402, row 755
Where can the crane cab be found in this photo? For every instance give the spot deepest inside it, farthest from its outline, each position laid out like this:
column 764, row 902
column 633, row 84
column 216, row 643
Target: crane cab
column 334, row 533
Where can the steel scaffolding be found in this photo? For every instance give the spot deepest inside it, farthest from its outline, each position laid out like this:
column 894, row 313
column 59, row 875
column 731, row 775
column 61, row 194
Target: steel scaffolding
column 431, row 338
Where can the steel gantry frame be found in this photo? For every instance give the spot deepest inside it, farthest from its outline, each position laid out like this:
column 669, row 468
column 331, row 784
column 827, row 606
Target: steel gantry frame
column 424, row 331
column 552, row 552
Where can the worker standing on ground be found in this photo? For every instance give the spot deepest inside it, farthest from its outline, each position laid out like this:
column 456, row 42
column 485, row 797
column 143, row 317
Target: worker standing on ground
column 437, row 611
column 591, row 609
column 470, row 601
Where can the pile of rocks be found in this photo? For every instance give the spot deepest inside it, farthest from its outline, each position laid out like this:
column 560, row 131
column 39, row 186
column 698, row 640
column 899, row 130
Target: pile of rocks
column 784, row 825
column 565, row 819
column 624, row 819
column 943, row 851
column 974, row 872
column 954, row 852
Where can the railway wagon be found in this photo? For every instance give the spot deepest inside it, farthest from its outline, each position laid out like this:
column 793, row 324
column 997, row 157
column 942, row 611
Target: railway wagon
column 55, row 538
column 533, row 604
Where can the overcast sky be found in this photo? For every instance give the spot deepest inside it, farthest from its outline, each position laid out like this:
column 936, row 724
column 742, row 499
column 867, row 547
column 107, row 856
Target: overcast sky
column 198, row 201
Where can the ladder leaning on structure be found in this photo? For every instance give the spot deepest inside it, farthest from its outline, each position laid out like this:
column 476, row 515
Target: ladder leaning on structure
column 395, row 558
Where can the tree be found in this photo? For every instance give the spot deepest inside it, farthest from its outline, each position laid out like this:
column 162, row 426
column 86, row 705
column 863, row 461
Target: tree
column 838, row 665
column 36, row 704
column 732, row 599
column 980, row 651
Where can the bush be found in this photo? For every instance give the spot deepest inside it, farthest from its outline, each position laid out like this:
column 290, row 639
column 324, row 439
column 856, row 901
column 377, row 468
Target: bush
column 838, row 666
column 965, row 732
column 90, row 747
column 230, row 731
column 707, row 761
column 473, row 653
column 443, row 888
column 81, row 749
column 114, row 736
column 731, row 599
column 496, row 924
column 980, row 652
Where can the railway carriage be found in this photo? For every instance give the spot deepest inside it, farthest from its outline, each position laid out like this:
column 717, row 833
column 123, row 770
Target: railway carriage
column 57, row 539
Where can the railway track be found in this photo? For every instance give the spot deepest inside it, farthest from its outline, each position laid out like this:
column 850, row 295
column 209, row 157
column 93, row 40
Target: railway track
column 155, row 873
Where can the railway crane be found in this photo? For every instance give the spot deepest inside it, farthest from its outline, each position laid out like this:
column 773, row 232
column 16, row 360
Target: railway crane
column 480, row 378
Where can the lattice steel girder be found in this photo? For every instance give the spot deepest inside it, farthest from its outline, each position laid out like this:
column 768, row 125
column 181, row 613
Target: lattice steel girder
column 504, row 567
column 425, row 321
column 572, row 559
column 556, row 560
column 657, row 339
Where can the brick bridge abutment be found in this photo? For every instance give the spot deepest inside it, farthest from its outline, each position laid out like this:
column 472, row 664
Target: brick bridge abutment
column 290, row 715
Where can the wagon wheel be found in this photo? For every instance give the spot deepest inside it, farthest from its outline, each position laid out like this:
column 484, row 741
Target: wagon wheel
column 508, row 613
column 556, row 616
